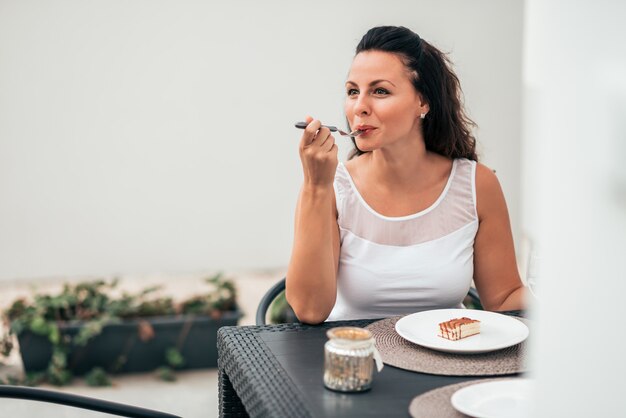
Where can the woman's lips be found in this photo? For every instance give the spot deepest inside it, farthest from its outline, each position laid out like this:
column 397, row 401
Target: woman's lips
column 365, row 129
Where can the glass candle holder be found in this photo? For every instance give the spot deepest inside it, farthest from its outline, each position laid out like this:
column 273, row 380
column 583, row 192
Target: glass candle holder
column 349, row 356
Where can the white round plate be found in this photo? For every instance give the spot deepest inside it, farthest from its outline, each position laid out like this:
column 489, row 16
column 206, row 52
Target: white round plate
column 497, row 331
column 501, row 399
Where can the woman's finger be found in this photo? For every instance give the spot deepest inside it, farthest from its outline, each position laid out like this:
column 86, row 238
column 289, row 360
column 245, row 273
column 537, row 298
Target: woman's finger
column 310, row 131
column 329, row 143
column 322, row 136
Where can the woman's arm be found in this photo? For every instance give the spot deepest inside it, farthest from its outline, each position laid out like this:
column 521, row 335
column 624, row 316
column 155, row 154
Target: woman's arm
column 311, row 287
column 312, row 273
column 495, row 268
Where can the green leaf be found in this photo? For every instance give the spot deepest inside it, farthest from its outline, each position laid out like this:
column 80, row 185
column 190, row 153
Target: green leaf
column 97, row 377
column 120, row 361
column 166, row 373
column 59, row 377
column 39, row 325
column 57, row 374
column 174, row 357
column 54, row 335
column 18, row 326
column 59, row 358
column 34, row 378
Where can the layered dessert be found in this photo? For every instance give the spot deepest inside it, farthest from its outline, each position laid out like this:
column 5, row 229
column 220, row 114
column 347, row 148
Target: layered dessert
column 458, row 328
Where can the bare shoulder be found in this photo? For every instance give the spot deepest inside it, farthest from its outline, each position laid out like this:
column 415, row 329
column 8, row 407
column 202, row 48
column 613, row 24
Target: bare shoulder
column 489, row 196
column 486, row 178
column 350, row 164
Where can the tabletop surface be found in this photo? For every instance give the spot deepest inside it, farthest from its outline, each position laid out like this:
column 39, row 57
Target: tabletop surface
column 277, row 370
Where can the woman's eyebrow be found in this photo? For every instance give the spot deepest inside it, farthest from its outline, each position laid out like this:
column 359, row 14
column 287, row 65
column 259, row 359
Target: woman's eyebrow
column 373, row 83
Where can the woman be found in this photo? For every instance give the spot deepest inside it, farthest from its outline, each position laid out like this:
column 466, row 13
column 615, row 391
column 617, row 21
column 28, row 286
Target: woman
column 411, row 218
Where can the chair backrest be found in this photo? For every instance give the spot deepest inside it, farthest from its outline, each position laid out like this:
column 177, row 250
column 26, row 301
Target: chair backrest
column 473, row 299
column 276, row 291
column 279, row 287
column 82, row 402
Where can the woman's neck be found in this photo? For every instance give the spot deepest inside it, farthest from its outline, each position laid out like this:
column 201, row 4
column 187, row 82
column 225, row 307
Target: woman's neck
column 399, row 165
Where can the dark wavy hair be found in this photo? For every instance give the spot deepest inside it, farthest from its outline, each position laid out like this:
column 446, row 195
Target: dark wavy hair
column 446, row 128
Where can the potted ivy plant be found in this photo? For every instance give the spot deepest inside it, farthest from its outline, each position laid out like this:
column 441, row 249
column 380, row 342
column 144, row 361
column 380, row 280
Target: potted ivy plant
column 87, row 329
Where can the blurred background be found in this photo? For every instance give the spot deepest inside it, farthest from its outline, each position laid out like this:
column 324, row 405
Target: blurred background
column 143, row 137
column 155, row 139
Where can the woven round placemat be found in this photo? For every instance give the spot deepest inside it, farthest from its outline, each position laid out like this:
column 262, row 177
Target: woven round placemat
column 398, row 352
column 436, row 403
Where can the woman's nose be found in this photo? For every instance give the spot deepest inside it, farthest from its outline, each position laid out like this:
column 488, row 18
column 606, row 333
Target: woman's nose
column 361, row 106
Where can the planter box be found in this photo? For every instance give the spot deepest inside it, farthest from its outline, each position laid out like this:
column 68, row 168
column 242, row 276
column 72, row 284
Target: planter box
column 194, row 336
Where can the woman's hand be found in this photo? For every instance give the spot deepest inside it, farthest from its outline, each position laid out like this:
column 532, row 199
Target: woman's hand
column 318, row 153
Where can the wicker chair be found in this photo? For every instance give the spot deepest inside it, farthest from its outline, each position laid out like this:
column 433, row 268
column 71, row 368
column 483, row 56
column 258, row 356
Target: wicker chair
column 276, row 290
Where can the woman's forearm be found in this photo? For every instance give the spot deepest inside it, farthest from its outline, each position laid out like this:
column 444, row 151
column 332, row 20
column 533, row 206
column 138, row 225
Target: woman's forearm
column 311, row 276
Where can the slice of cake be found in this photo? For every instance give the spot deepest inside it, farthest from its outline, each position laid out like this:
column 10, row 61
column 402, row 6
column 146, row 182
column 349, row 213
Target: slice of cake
column 458, row 328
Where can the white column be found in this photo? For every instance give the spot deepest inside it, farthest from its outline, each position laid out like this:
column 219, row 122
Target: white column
column 574, row 186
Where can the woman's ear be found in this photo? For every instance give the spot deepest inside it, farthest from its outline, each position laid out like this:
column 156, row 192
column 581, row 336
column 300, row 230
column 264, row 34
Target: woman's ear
column 423, row 108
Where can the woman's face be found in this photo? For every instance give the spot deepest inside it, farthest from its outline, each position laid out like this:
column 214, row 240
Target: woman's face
column 382, row 101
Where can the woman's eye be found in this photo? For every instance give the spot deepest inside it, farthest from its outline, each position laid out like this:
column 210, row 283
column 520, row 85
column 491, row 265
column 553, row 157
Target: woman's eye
column 381, row 91
column 352, row 92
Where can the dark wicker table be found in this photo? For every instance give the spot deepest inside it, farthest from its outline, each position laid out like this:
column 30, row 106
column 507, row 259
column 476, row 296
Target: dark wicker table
column 277, row 370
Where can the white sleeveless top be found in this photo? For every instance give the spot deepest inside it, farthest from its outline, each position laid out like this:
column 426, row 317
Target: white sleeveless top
column 399, row 265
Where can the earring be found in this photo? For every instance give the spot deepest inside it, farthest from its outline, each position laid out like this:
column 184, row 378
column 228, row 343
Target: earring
column 423, row 116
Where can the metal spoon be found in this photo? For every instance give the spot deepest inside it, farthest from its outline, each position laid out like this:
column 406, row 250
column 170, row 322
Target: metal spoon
column 302, row 125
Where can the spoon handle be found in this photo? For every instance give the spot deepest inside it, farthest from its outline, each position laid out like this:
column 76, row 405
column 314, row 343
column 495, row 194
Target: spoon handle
column 302, row 125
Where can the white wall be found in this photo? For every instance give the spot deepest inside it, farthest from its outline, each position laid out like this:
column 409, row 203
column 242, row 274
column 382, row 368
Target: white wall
column 156, row 136
column 575, row 189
